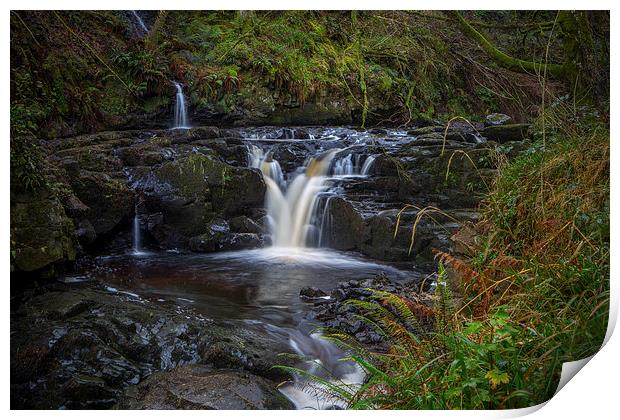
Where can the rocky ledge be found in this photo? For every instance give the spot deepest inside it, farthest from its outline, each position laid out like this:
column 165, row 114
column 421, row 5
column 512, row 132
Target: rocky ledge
column 84, row 345
column 193, row 190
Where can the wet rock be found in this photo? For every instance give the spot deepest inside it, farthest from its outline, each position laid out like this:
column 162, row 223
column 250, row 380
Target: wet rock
column 82, row 346
column 506, row 133
column 141, row 155
column 425, row 130
column 311, row 293
column 243, row 224
column 385, row 166
column 212, row 240
column 239, row 241
column 41, row 232
column 191, row 190
column 378, row 131
column 85, row 232
column 496, row 119
column 110, row 202
column 345, row 230
column 202, row 388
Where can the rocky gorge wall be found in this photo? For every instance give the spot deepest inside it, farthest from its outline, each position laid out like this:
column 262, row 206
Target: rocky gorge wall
column 193, row 190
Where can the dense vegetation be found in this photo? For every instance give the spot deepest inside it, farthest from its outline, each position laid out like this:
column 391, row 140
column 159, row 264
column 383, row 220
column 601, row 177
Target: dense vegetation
column 532, row 293
column 85, row 71
column 530, row 290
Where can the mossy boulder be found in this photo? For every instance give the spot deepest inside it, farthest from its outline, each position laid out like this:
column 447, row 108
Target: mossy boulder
column 41, row 232
column 507, row 132
column 110, row 202
column 191, row 191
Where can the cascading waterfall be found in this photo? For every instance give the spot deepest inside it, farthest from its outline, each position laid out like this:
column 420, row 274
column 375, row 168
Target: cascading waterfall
column 350, row 165
column 290, row 213
column 344, row 166
column 180, row 109
column 140, row 22
column 268, row 166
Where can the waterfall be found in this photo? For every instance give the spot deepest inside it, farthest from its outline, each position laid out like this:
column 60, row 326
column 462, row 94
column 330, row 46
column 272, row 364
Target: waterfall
column 140, row 22
column 344, row 166
column 136, row 233
column 268, row 166
column 350, row 166
column 180, row 109
column 290, row 212
column 368, row 164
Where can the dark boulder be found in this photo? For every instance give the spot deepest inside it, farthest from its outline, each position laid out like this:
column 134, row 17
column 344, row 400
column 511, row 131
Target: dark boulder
column 41, row 232
column 201, row 388
column 110, row 202
column 243, row 224
column 345, row 230
column 506, row 133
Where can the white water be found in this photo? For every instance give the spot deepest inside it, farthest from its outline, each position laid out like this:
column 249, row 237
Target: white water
column 290, row 212
column 140, row 21
column 268, row 166
column 350, row 166
column 137, row 241
column 367, row 165
column 180, row 109
column 325, row 360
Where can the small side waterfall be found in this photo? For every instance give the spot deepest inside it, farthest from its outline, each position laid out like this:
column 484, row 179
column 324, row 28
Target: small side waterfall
column 140, row 22
column 268, row 166
column 137, row 240
column 180, row 109
column 350, row 165
column 367, row 165
column 344, row 166
column 290, row 212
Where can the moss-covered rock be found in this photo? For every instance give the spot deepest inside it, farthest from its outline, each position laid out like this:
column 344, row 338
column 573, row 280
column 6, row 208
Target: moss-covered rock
column 507, row 132
column 110, row 202
column 41, row 232
column 193, row 190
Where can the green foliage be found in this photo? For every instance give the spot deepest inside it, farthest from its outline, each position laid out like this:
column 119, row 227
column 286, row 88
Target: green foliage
column 146, row 70
column 550, row 209
column 26, row 165
column 548, row 216
column 472, row 365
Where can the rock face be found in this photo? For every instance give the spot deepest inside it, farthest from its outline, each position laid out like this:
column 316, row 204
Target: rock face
column 346, row 228
column 41, row 232
column 82, row 346
column 202, row 388
column 184, row 183
column 178, row 181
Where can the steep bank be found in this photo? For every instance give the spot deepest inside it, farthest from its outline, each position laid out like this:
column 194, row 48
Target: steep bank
column 103, row 71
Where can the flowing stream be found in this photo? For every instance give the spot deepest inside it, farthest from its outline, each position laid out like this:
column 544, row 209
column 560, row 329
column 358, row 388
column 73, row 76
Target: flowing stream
column 261, row 287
